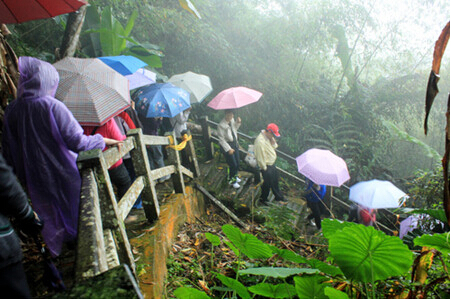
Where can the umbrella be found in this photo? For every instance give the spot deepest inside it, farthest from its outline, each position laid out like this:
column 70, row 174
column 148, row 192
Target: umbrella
column 323, row 167
column 92, row 91
column 408, row 224
column 161, row 100
column 124, row 64
column 199, row 86
column 377, row 194
column 141, row 78
column 235, row 97
column 18, row 11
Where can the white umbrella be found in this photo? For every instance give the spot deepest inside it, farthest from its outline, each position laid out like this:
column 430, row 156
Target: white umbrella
column 199, row 86
column 377, row 194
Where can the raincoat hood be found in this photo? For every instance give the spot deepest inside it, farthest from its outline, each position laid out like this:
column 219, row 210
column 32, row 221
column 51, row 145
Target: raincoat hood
column 37, row 78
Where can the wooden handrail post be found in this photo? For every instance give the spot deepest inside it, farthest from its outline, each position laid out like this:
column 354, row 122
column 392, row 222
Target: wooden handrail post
column 114, row 253
column 142, row 168
column 174, row 159
column 192, row 157
column 206, row 133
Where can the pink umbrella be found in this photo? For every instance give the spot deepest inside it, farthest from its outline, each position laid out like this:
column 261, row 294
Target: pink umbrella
column 323, row 167
column 234, row 98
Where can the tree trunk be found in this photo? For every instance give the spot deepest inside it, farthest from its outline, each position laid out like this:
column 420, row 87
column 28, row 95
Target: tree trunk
column 72, row 34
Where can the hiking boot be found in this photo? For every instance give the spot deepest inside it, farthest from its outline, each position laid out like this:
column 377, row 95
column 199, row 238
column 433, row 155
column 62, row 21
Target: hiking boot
column 237, row 179
column 236, row 185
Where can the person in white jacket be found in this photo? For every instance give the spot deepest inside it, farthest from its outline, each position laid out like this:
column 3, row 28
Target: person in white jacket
column 228, row 140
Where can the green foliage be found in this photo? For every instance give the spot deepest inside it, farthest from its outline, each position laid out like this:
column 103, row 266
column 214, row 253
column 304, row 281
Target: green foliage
column 246, row 243
column 366, row 254
column 275, row 272
column 213, row 239
column 426, row 188
column 437, row 241
column 190, row 293
column 280, row 291
column 234, row 284
column 279, row 219
column 332, row 293
column 310, row 287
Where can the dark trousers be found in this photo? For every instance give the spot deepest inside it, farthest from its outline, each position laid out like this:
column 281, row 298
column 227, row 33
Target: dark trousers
column 13, row 282
column 271, row 181
column 316, row 208
column 184, row 157
column 233, row 160
column 121, row 179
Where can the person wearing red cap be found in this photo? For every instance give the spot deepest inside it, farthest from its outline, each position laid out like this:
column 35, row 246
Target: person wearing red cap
column 265, row 153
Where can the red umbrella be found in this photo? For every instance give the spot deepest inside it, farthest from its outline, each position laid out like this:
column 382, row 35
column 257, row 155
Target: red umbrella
column 18, row 11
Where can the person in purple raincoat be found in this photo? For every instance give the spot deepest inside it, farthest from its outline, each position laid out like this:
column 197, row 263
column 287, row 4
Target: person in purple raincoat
column 41, row 139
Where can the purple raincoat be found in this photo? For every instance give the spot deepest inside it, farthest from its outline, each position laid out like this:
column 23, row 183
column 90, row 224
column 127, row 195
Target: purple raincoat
column 40, row 141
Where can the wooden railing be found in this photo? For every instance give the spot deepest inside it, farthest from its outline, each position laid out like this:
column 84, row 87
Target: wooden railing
column 102, row 239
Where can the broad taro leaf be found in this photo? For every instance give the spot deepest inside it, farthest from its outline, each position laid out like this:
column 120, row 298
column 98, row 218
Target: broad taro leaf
column 330, row 226
column 335, row 294
column 439, row 241
column 280, row 291
column 213, row 239
column 310, row 287
column 248, row 244
column 366, row 254
column 235, row 285
column 277, row 272
column 190, row 293
column 324, row 267
column 288, row 255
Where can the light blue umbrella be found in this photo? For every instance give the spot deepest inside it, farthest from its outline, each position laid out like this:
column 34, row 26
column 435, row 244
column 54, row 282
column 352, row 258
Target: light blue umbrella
column 123, row 64
column 377, row 194
column 161, row 100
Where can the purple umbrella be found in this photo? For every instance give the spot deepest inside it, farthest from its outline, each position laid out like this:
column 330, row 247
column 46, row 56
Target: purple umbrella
column 323, row 167
column 408, row 224
column 141, row 78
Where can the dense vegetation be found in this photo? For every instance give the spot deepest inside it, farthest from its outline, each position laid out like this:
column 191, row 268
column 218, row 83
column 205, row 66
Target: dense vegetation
column 342, row 75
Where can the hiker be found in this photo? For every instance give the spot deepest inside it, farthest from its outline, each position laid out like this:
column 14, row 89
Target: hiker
column 180, row 129
column 41, row 139
column 353, row 213
column 118, row 172
column 265, row 152
column 13, row 203
column 154, row 152
column 367, row 216
column 228, row 140
column 315, row 201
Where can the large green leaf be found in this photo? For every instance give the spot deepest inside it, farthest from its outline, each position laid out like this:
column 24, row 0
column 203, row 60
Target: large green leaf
column 439, row 241
column 335, row 294
column 288, row 255
column 235, row 285
column 107, row 37
column 247, row 243
column 190, row 293
column 366, row 254
column 310, row 287
column 281, row 291
column 92, row 21
column 214, row 239
column 278, row 272
column 324, row 267
column 330, row 226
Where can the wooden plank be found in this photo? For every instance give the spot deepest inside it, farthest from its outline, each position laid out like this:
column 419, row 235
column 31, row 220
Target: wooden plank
column 177, row 177
column 142, row 168
column 126, row 203
column 220, row 205
column 90, row 257
column 186, row 171
column 111, row 250
column 206, row 135
column 161, row 172
column 155, row 140
column 112, row 155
